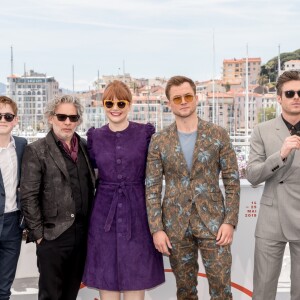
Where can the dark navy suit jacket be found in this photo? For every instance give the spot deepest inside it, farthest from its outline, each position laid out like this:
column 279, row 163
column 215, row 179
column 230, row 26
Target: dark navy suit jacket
column 20, row 145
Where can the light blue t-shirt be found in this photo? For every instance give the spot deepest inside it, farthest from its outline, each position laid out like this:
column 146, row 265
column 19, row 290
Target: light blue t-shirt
column 187, row 143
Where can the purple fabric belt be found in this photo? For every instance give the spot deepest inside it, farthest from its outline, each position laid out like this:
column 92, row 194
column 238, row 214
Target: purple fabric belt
column 112, row 210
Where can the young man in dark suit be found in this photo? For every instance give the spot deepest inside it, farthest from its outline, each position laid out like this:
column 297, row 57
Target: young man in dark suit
column 11, row 152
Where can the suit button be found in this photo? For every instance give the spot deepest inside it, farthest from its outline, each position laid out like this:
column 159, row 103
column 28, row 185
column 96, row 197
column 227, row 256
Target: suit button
column 72, row 215
column 281, row 182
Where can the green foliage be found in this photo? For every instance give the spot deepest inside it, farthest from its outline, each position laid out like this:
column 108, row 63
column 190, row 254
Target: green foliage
column 227, row 86
column 270, row 69
column 265, row 114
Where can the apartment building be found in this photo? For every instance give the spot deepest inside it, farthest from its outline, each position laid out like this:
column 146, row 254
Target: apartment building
column 234, row 71
column 218, row 108
column 292, row 65
column 258, row 106
column 31, row 92
column 209, row 86
column 126, row 78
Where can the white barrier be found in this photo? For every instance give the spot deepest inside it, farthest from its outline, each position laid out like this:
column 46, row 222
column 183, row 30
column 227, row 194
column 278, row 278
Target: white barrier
column 242, row 252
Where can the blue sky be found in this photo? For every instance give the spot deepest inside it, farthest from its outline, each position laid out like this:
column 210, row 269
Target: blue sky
column 152, row 37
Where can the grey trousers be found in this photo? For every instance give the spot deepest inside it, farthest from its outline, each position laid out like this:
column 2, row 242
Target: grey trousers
column 268, row 258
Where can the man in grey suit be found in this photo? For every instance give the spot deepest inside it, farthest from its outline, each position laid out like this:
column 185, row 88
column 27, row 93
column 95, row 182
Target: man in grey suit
column 275, row 160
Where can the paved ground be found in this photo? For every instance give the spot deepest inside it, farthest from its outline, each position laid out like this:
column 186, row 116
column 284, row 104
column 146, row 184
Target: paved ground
column 27, row 289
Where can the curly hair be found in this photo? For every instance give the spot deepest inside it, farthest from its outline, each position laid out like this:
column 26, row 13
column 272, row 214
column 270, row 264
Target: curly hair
column 52, row 105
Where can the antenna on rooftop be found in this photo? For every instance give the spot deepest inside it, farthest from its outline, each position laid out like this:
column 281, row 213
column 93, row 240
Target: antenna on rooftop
column 213, row 81
column 279, row 63
column 278, row 107
column 98, row 92
column 73, row 77
column 11, row 61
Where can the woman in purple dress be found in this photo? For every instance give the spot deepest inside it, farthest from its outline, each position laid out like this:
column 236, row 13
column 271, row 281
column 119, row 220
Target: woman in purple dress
column 121, row 255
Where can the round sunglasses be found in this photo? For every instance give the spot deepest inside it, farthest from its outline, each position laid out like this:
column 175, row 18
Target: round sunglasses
column 120, row 103
column 8, row 117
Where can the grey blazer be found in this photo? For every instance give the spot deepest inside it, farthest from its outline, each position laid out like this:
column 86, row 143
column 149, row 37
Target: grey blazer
column 279, row 215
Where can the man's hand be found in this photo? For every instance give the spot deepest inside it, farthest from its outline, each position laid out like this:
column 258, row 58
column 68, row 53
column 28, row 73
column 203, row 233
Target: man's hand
column 225, row 235
column 290, row 143
column 162, row 242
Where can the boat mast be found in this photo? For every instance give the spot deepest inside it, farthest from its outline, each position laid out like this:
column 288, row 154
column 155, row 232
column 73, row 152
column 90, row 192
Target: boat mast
column 246, row 98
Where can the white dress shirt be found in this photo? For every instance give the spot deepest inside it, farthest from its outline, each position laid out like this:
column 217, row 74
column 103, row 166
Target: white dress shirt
column 8, row 167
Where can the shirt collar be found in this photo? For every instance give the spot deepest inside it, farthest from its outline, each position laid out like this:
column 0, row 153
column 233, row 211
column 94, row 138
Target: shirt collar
column 11, row 144
column 291, row 128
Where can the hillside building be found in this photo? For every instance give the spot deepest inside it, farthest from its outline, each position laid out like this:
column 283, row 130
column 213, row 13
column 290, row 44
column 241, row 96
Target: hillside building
column 234, row 71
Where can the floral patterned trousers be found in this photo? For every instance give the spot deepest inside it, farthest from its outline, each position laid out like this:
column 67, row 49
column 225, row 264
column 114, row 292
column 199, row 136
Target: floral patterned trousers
column 216, row 260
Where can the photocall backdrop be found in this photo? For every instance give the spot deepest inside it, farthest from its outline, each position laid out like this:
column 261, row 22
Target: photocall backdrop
column 242, row 252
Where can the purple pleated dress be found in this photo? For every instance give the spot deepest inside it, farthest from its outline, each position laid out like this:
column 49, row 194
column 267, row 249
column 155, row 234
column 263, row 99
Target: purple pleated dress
column 121, row 254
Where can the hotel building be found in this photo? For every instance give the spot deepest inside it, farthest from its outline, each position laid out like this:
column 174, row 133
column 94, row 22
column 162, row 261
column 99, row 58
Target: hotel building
column 31, row 92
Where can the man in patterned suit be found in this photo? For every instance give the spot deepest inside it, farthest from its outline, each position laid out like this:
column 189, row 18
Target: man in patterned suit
column 190, row 154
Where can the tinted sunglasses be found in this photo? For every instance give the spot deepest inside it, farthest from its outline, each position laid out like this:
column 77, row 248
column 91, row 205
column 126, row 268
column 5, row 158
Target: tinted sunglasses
column 291, row 94
column 63, row 117
column 178, row 99
column 120, row 103
column 8, row 117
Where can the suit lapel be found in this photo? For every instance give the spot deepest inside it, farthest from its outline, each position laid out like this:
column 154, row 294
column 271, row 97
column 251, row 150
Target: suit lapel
column 1, row 182
column 83, row 148
column 203, row 142
column 283, row 132
column 19, row 156
column 178, row 153
column 281, row 129
column 57, row 155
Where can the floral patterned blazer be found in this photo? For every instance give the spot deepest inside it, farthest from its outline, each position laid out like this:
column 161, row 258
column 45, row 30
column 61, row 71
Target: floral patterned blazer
column 213, row 154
